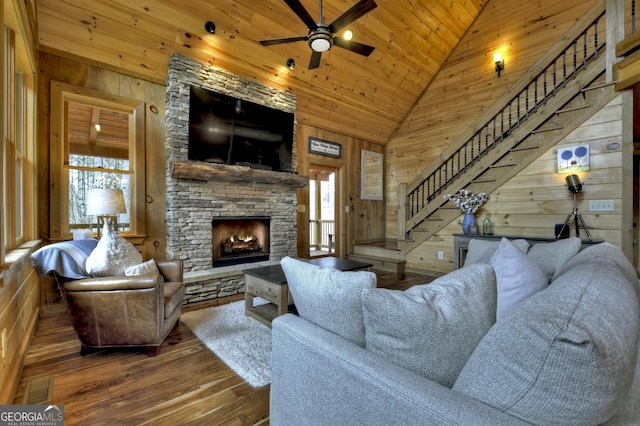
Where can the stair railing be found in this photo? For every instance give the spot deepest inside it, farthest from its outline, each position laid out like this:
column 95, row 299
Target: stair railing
column 535, row 89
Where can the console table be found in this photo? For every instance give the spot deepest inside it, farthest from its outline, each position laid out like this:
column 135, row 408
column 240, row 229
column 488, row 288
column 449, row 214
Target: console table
column 270, row 283
column 461, row 244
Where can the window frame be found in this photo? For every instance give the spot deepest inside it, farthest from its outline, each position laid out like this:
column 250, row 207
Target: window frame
column 59, row 170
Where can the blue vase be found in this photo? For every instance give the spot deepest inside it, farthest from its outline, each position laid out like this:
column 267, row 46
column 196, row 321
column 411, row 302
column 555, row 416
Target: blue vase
column 469, row 224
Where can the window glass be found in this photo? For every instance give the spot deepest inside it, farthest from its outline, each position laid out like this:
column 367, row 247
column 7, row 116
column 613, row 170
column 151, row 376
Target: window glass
column 98, row 147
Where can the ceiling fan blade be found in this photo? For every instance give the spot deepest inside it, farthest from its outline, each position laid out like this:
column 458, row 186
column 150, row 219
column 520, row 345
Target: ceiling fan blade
column 272, row 41
column 353, row 46
column 302, row 13
column 356, row 11
column 315, row 60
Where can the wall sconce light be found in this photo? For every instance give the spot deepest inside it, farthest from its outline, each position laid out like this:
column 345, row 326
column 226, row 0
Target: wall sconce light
column 210, row 27
column 497, row 58
column 291, row 63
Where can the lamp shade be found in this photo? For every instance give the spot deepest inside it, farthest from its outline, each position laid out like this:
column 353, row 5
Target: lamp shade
column 105, row 202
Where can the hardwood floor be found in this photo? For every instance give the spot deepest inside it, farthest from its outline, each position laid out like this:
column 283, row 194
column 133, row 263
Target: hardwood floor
column 186, row 384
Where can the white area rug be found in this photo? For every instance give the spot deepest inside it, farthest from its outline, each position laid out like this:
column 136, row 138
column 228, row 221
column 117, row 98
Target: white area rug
column 243, row 343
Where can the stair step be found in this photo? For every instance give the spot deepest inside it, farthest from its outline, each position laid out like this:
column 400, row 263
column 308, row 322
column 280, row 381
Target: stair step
column 496, row 166
column 524, row 148
column 575, row 108
column 381, row 263
column 483, row 180
column 547, row 129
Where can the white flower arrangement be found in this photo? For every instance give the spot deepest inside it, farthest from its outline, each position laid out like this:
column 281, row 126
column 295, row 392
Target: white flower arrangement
column 467, row 201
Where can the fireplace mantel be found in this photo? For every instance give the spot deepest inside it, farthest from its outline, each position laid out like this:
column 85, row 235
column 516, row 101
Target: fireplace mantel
column 198, row 170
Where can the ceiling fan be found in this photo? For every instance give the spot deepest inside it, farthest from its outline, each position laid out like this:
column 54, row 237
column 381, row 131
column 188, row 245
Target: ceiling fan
column 321, row 35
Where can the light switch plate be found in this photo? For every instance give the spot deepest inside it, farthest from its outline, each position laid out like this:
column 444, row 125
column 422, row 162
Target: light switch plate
column 601, row 205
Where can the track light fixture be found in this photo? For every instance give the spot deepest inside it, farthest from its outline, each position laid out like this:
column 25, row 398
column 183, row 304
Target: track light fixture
column 210, row 27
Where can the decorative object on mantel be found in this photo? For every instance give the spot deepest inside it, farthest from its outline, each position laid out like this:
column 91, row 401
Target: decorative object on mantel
column 469, row 203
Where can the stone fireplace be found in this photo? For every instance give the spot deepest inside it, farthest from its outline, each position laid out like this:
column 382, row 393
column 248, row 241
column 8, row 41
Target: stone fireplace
column 200, row 193
column 238, row 240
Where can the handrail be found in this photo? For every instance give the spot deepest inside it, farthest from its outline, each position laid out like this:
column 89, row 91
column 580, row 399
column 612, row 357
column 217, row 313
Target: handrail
column 551, row 73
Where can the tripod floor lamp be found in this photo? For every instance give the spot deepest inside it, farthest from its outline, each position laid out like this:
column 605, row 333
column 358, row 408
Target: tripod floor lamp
column 574, row 186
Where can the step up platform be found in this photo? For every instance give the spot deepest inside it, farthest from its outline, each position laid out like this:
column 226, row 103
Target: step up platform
column 383, row 255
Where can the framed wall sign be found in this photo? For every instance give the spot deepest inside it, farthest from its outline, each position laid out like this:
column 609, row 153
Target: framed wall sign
column 572, row 159
column 322, row 147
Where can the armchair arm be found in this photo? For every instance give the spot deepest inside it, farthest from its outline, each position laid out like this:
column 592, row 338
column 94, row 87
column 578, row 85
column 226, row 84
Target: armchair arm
column 171, row 270
column 136, row 282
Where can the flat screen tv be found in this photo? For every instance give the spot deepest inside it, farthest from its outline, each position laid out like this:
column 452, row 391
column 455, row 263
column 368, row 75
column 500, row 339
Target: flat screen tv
column 227, row 130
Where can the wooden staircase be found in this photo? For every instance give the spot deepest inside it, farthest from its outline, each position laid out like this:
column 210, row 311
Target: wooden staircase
column 551, row 125
column 558, row 94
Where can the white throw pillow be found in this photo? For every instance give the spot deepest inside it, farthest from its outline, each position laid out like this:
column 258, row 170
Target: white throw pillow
column 148, row 267
column 480, row 251
column 517, row 276
column 328, row 297
column 432, row 329
column 112, row 255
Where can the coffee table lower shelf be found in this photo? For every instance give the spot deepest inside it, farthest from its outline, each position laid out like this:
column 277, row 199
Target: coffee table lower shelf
column 265, row 313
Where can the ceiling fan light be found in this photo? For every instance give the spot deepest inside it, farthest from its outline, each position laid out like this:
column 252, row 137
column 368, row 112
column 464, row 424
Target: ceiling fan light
column 320, row 45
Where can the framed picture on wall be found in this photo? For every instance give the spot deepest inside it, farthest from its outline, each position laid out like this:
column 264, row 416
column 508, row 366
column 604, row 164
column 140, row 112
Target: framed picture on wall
column 572, row 159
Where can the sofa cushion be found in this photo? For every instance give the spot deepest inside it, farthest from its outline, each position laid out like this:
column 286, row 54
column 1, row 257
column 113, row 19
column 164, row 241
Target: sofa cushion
column 328, row 297
column 517, row 276
column 481, row 251
column 602, row 251
column 564, row 355
column 432, row 329
column 552, row 256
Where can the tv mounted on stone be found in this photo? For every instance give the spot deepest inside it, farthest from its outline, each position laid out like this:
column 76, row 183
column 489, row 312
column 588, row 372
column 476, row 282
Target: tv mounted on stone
column 227, row 130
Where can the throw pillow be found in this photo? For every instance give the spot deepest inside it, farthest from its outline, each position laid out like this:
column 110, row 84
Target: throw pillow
column 328, row 297
column 517, row 276
column 552, row 256
column 564, row 356
column 480, row 251
column 432, row 329
column 148, row 267
column 112, row 256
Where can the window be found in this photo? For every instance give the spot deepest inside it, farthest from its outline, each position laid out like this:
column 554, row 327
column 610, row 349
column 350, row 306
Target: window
column 97, row 141
column 17, row 136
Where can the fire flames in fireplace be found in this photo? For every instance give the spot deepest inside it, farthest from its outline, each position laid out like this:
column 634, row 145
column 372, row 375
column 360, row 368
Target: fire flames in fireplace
column 240, row 240
column 241, row 244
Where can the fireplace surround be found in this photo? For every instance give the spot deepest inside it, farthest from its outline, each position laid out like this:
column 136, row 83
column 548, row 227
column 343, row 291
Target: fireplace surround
column 194, row 201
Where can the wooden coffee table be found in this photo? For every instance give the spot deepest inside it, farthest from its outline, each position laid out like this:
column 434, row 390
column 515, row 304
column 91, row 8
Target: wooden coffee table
column 270, row 283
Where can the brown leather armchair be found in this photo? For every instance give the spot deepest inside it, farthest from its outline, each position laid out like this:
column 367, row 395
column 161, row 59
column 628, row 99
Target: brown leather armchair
column 126, row 311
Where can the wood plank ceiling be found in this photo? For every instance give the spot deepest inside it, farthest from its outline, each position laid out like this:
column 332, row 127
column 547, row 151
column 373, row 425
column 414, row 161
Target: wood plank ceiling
column 366, row 98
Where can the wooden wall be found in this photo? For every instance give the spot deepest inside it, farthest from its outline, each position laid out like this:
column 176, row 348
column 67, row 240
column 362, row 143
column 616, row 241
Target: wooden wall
column 55, row 68
column 365, row 219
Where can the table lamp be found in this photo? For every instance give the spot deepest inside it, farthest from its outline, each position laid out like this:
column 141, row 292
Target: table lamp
column 106, row 204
